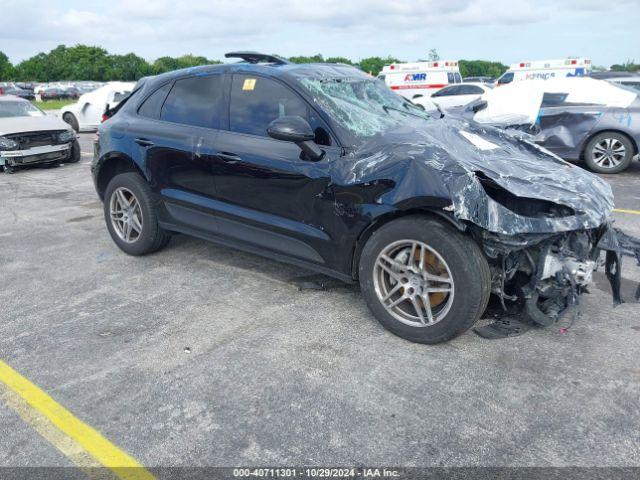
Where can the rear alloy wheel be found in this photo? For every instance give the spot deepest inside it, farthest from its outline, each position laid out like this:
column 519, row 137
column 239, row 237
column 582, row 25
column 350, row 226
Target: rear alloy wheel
column 423, row 280
column 126, row 215
column 608, row 152
column 131, row 215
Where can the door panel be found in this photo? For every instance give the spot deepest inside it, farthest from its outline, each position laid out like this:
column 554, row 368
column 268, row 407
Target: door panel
column 269, row 186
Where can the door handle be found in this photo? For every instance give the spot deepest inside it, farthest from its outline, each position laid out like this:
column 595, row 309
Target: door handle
column 143, row 142
column 229, row 157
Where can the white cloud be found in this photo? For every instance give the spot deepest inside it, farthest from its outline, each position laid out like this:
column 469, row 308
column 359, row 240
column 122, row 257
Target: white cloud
column 208, row 27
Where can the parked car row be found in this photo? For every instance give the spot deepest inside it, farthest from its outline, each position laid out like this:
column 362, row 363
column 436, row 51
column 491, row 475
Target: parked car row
column 10, row 88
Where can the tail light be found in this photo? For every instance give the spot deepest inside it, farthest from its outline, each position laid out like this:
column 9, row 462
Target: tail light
column 105, row 117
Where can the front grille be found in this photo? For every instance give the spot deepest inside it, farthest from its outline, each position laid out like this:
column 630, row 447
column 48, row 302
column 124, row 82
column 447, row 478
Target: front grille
column 42, row 157
column 35, row 139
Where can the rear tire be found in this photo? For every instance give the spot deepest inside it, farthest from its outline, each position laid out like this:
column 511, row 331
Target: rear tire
column 608, row 152
column 452, row 265
column 131, row 215
column 71, row 119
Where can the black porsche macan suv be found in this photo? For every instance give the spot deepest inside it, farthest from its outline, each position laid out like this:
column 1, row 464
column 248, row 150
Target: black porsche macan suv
column 324, row 167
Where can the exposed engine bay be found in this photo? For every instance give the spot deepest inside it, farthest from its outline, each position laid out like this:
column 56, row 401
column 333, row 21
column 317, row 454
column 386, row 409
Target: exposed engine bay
column 542, row 276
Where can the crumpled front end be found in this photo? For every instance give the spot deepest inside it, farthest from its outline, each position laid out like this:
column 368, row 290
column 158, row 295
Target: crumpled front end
column 543, row 275
column 541, row 222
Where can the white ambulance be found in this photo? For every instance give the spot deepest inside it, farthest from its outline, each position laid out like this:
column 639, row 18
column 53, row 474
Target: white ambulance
column 546, row 69
column 420, row 79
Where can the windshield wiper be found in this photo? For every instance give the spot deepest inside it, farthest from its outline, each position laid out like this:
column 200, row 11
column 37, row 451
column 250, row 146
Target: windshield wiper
column 386, row 108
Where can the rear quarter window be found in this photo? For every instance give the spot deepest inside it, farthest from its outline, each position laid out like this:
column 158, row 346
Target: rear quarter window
column 153, row 104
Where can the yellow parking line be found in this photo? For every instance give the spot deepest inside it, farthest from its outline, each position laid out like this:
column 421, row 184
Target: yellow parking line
column 624, row 210
column 83, row 445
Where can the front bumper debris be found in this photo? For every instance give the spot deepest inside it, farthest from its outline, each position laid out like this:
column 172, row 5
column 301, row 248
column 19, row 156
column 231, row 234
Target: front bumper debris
column 541, row 277
column 41, row 154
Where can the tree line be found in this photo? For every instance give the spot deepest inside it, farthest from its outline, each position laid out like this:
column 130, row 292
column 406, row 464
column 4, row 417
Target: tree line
column 83, row 62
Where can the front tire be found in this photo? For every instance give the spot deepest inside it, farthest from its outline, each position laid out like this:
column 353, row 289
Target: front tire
column 131, row 215
column 608, row 152
column 423, row 280
column 71, row 119
column 74, row 156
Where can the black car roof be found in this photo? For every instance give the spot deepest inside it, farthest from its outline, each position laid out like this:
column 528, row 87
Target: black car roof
column 319, row 70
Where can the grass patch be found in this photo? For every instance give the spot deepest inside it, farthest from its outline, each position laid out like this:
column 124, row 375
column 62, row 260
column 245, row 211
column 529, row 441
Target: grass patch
column 53, row 104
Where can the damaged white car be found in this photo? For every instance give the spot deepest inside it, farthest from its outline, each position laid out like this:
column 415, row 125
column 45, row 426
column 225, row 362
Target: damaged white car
column 87, row 113
column 579, row 119
column 28, row 136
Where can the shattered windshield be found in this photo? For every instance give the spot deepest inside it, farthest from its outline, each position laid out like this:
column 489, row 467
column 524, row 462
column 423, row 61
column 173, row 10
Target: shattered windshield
column 19, row 109
column 362, row 107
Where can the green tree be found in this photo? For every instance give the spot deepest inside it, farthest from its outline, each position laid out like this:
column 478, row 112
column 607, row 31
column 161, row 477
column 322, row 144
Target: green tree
column 318, row 58
column 338, row 60
column 128, row 67
column 481, row 68
column 373, row 65
column 7, row 72
column 167, row 64
column 628, row 66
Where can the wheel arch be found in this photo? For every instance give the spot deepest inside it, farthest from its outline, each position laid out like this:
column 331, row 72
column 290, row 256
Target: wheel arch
column 111, row 165
column 592, row 135
column 390, row 217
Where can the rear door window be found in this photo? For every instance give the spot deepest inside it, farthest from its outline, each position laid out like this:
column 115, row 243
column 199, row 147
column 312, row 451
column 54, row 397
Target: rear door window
column 470, row 90
column 195, row 101
column 450, row 78
column 446, row 92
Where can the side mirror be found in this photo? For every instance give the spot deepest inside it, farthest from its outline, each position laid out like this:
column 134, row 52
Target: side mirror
column 480, row 105
column 297, row 130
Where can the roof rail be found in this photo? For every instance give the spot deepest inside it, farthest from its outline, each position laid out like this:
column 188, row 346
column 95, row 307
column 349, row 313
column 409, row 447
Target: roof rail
column 255, row 57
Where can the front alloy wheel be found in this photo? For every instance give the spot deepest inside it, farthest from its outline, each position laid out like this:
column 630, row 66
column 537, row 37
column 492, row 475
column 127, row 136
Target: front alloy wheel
column 423, row 279
column 413, row 283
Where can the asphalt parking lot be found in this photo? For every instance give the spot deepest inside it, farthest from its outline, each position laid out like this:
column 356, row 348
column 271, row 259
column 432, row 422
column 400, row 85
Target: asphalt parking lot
column 204, row 356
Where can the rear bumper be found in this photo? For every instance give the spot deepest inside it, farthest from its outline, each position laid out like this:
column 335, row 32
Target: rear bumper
column 44, row 154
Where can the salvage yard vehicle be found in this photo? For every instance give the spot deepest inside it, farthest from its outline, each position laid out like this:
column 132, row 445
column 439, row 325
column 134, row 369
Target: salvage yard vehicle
column 457, row 95
column 28, row 136
column 322, row 166
column 579, row 119
column 546, row 70
column 87, row 112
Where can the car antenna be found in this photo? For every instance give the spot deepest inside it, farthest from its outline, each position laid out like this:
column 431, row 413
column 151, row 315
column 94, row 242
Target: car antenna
column 256, row 57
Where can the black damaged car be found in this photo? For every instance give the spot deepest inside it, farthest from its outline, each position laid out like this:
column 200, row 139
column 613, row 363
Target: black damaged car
column 324, row 167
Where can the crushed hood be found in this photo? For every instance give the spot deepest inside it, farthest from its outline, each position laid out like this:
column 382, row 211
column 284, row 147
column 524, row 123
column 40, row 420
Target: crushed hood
column 31, row 124
column 449, row 157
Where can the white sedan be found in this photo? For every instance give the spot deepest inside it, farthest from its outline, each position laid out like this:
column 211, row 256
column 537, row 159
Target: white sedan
column 87, row 113
column 459, row 94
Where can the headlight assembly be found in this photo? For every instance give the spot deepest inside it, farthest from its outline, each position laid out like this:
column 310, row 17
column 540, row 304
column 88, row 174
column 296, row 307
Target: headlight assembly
column 66, row 136
column 8, row 144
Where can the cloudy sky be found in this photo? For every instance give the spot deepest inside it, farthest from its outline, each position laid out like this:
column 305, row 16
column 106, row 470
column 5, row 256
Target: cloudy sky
column 505, row 30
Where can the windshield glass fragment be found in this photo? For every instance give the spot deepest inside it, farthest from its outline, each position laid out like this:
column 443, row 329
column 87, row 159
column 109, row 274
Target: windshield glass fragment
column 362, row 107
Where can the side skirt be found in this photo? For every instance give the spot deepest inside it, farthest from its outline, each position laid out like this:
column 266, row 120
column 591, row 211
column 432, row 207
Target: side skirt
column 250, row 248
